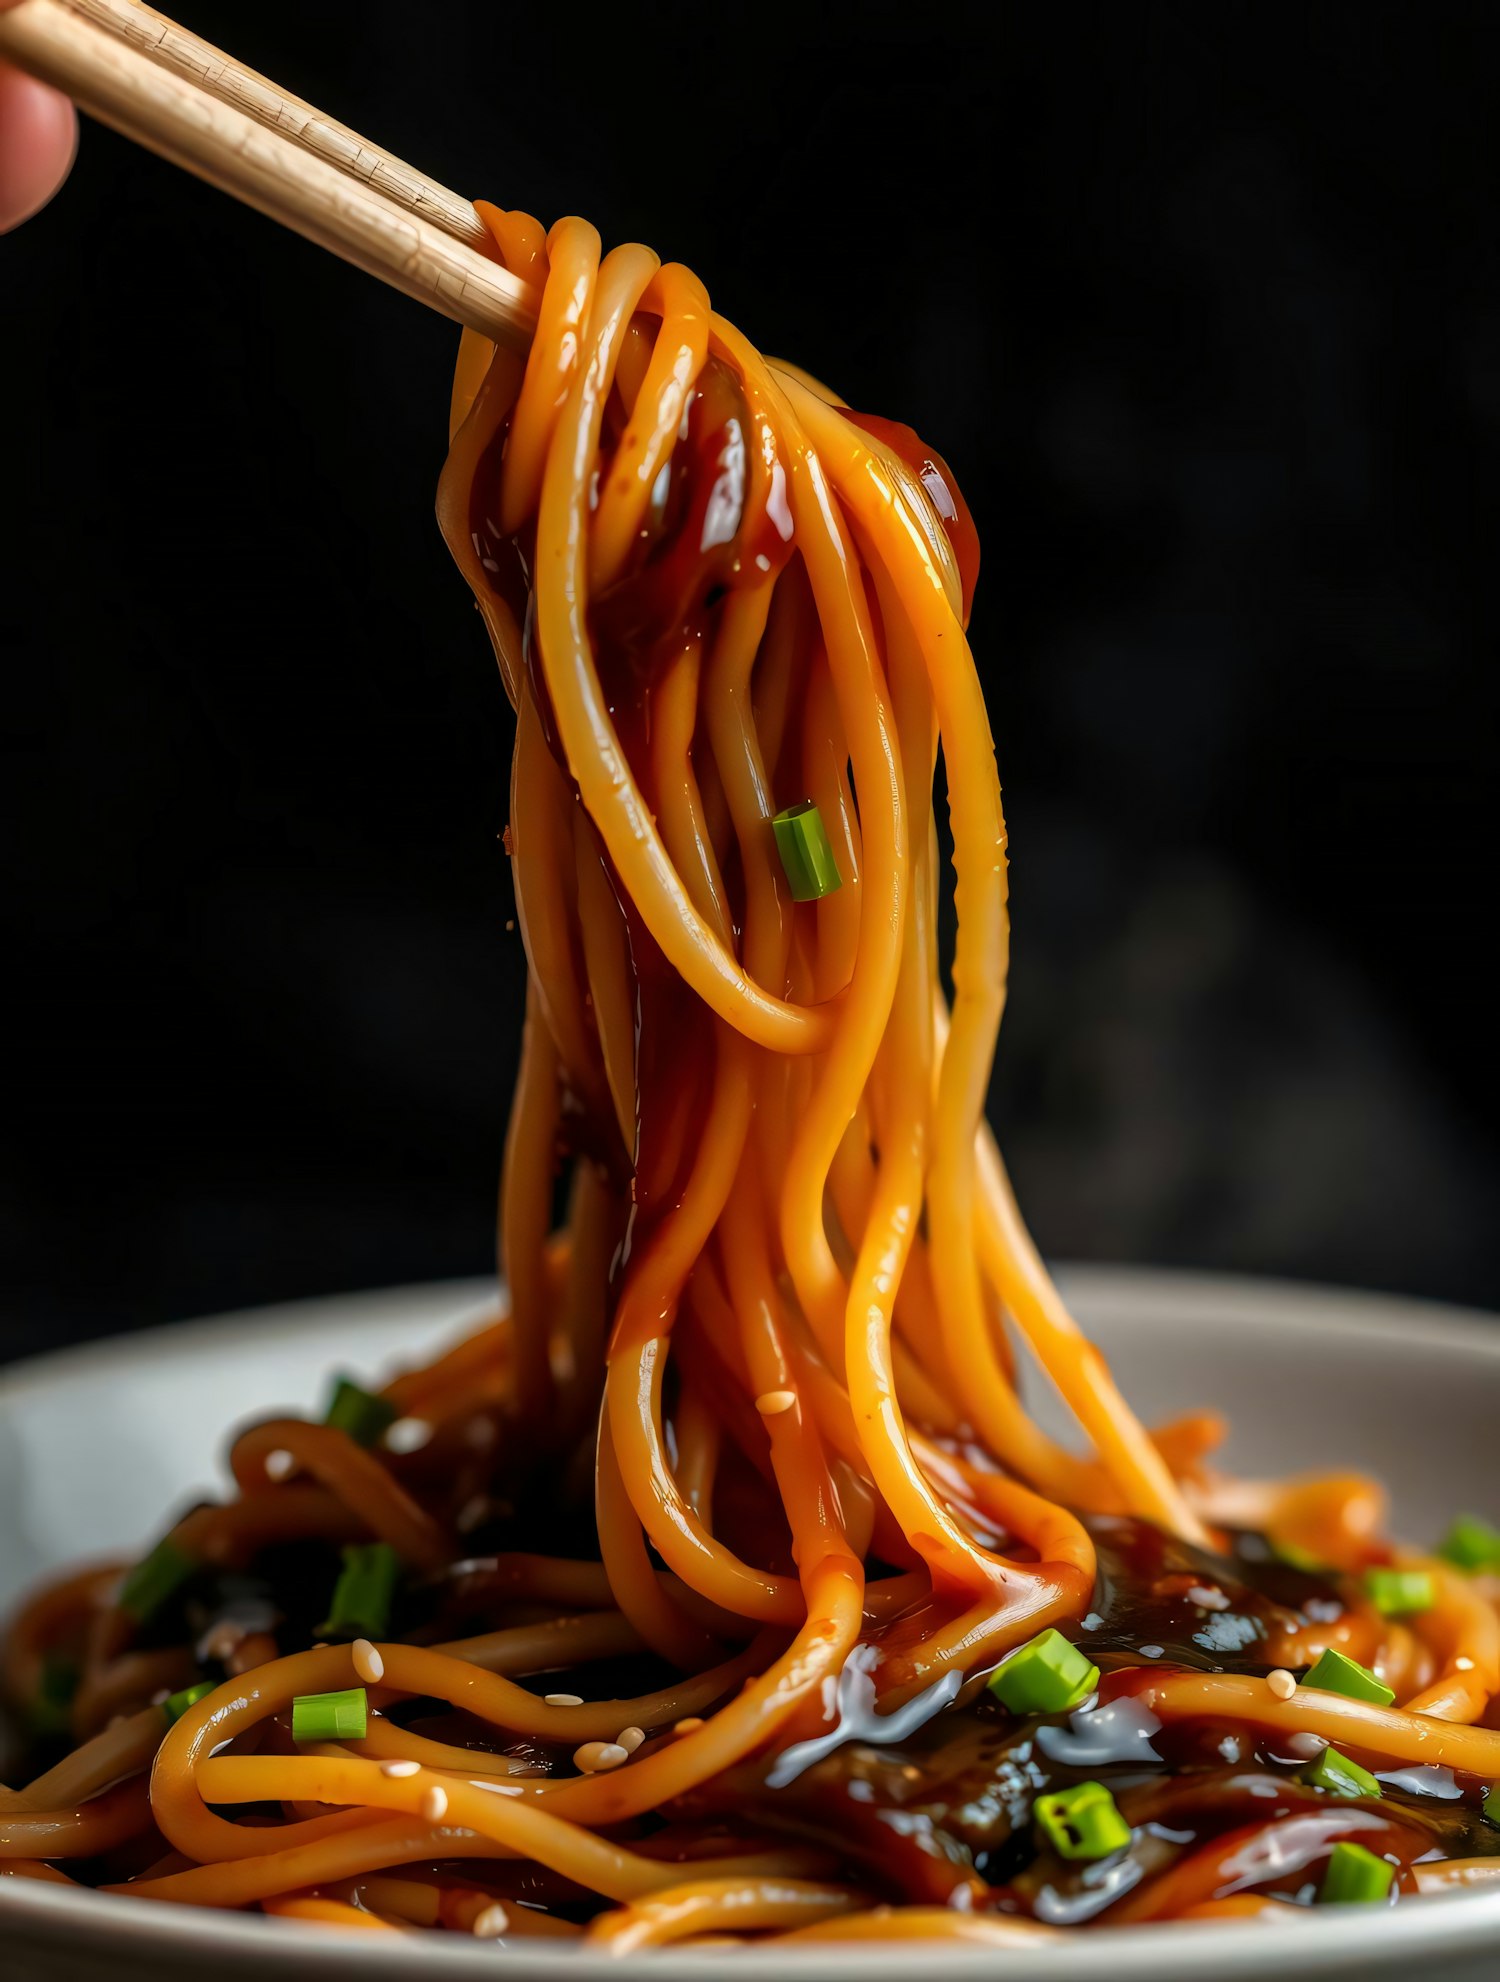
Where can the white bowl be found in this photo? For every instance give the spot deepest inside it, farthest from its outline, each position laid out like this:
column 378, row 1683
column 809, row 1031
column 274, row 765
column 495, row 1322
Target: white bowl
column 1313, row 1379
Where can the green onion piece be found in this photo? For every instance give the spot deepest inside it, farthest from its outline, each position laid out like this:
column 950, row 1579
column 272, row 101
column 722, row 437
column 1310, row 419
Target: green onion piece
column 1472, row 1544
column 1047, row 1676
column 1082, row 1822
column 1298, row 1558
column 154, row 1580
column 1492, row 1805
column 177, row 1705
column 1354, row 1877
column 362, row 1596
column 1400, row 1592
column 1334, row 1673
column 365, row 1417
column 806, row 856
column 50, row 1710
column 1339, row 1776
column 59, row 1680
column 331, row 1716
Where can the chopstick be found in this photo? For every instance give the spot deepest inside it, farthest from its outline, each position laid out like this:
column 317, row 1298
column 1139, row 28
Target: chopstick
column 188, row 55
column 369, row 209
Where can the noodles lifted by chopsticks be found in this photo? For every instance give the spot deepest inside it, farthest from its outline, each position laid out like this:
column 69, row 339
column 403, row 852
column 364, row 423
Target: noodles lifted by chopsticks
column 745, row 1462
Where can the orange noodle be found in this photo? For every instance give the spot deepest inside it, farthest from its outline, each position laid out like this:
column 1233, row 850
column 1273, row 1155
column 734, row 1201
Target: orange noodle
column 674, row 1605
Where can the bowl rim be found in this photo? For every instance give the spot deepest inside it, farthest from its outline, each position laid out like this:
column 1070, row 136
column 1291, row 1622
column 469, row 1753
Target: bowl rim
column 1379, row 1942
column 1312, row 1944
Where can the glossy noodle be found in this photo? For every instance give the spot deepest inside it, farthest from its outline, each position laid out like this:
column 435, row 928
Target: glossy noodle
column 677, row 1604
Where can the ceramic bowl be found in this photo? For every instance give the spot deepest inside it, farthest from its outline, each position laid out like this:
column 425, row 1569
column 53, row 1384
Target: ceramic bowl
column 1311, row 1378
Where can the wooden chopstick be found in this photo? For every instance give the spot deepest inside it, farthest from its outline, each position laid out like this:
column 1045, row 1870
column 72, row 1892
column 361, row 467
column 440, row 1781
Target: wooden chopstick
column 187, row 54
column 258, row 162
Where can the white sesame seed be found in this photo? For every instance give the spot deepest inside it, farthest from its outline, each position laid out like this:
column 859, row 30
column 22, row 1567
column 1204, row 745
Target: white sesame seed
column 435, row 1804
column 690, row 1725
column 630, row 1738
column 1281, row 1684
column 1206, row 1597
column 1463, row 1665
column 223, row 1640
column 408, row 1435
column 1306, row 1747
column 771, row 1403
column 368, row 1664
column 491, row 1924
column 562, row 1699
column 400, row 1768
column 595, row 1756
column 472, row 1514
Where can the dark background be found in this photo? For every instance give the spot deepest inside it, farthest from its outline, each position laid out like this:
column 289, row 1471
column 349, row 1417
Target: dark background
column 1202, row 304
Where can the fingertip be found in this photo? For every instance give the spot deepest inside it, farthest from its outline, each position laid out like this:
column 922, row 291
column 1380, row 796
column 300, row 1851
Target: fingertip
column 38, row 141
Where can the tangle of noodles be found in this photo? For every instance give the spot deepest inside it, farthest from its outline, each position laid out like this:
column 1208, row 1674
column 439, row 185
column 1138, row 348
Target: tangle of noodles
column 708, row 1541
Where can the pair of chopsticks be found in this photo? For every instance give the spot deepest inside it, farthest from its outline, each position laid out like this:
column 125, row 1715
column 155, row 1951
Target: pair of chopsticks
column 150, row 79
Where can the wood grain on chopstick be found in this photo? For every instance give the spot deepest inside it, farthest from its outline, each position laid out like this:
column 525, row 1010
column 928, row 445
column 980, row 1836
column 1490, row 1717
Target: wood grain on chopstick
column 111, row 78
column 187, row 54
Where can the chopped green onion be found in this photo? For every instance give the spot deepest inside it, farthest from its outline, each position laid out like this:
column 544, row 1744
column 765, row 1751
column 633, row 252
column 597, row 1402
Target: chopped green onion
column 1492, row 1805
column 1400, row 1592
column 1339, row 1776
column 1082, row 1822
column 50, row 1711
column 1334, row 1673
column 806, row 856
column 1472, row 1544
column 177, row 1705
column 331, row 1716
column 362, row 1596
column 1047, row 1676
column 1298, row 1558
column 1355, row 1876
column 365, row 1417
column 154, row 1580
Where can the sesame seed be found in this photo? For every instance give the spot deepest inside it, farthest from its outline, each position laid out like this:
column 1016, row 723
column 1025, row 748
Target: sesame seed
column 1281, row 1684
column 491, row 1924
column 1306, row 1747
column 771, row 1403
column 595, row 1756
column 368, row 1664
column 400, row 1768
column 1463, row 1665
column 562, row 1699
column 688, row 1726
column 630, row 1738
column 435, row 1804
column 1207, row 1597
column 222, row 1640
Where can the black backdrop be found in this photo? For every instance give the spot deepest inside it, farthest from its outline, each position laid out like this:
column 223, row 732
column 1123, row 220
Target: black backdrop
column 1203, row 306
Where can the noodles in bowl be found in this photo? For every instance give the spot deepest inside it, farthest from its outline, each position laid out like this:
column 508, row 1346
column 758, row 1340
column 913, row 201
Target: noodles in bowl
column 723, row 1586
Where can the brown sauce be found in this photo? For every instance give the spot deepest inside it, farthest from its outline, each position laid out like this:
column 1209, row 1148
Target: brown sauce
column 943, row 1814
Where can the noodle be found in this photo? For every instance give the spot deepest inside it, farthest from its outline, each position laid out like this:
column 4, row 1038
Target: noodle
column 742, row 1480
